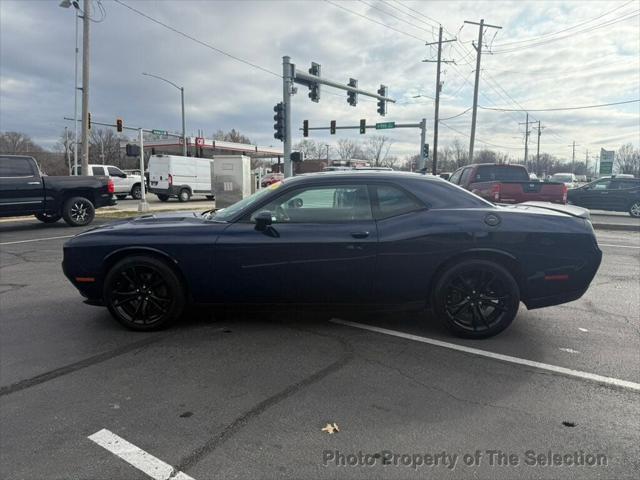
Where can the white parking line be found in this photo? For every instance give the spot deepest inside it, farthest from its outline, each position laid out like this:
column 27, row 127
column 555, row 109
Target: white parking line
column 152, row 466
column 620, row 246
column 498, row 356
column 36, row 240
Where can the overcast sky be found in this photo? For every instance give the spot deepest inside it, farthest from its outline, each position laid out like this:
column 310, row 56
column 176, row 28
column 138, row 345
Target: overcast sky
column 587, row 62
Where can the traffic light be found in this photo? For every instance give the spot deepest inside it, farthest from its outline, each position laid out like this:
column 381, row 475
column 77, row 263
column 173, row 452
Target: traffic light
column 119, row 124
column 297, row 156
column 382, row 105
column 133, row 150
column 332, row 129
column 425, row 150
column 314, row 93
column 88, row 120
column 352, row 97
column 363, row 125
column 279, row 119
column 305, row 128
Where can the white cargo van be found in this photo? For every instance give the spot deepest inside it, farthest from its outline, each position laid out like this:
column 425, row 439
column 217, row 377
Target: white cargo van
column 177, row 176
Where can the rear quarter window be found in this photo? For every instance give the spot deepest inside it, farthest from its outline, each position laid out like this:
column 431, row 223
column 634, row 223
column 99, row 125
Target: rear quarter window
column 491, row 173
column 442, row 194
column 392, row 201
column 16, row 167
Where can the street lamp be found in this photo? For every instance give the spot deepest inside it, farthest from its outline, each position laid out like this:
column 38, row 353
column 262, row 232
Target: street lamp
column 184, row 138
column 67, row 4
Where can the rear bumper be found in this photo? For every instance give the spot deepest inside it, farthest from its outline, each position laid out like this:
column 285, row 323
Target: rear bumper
column 557, row 299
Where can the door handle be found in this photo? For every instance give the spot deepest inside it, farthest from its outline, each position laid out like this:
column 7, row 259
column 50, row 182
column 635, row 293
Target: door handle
column 33, row 183
column 359, row 234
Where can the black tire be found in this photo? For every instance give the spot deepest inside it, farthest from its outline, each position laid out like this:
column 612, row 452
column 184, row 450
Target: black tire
column 136, row 192
column 634, row 209
column 476, row 298
column 184, row 195
column 121, row 197
column 144, row 293
column 210, row 197
column 48, row 217
column 161, row 197
column 78, row 211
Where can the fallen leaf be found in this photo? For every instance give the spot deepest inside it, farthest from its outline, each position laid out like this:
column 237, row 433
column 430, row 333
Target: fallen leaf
column 330, row 429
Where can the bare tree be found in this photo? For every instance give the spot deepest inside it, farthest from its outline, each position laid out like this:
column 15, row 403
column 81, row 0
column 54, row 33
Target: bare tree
column 109, row 141
column 347, row 148
column 460, row 154
column 310, row 148
column 232, row 135
column 17, row 143
column 486, row 156
column 376, row 150
column 628, row 159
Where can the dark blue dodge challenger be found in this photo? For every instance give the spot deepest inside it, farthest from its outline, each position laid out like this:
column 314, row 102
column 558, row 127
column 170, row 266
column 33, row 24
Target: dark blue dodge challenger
column 341, row 239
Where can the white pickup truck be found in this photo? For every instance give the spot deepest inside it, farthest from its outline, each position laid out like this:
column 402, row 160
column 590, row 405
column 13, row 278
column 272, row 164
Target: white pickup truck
column 125, row 184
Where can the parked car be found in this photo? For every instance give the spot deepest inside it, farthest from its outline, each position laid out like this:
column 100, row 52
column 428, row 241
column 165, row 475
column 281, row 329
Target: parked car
column 569, row 179
column 125, row 183
column 271, row 178
column 533, row 177
column 338, row 239
column 25, row 191
column 181, row 177
column 609, row 193
column 445, row 175
column 505, row 183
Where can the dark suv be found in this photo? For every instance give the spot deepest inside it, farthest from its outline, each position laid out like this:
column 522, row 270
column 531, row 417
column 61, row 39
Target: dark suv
column 609, row 193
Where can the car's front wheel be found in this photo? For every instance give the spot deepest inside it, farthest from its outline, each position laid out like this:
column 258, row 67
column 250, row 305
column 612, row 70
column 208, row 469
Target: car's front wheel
column 78, row 212
column 48, row 217
column 634, row 210
column 143, row 293
column 476, row 298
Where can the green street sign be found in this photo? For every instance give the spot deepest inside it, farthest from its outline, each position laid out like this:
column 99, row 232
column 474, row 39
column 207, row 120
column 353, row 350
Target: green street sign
column 606, row 168
column 385, row 125
column 159, row 132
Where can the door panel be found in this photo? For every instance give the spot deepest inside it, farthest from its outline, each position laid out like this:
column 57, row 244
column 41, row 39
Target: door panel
column 21, row 187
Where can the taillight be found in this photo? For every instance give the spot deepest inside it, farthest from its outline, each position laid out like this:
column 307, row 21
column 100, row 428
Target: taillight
column 565, row 191
column 170, row 180
column 495, row 191
column 111, row 188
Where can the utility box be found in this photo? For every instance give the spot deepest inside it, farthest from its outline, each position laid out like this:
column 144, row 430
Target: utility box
column 231, row 179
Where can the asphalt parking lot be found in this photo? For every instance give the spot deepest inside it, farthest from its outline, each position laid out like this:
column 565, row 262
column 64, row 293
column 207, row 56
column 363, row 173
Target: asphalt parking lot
column 246, row 394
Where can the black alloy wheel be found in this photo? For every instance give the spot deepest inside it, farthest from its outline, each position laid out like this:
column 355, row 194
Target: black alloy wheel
column 144, row 293
column 78, row 212
column 476, row 298
column 634, row 209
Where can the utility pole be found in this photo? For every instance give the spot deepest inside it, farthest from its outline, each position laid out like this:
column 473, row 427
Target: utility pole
column 526, row 139
column 586, row 163
column 573, row 156
column 438, row 88
column 539, row 128
column 478, row 48
column 143, row 206
column 86, row 15
column 287, row 85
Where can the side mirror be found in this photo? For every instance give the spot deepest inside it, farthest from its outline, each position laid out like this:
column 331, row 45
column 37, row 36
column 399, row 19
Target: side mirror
column 263, row 220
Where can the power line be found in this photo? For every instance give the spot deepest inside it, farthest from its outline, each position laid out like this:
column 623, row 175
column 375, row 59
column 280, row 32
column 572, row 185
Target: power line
column 559, row 108
column 456, row 116
column 394, row 16
column 204, row 44
column 540, row 37
column 482, row 141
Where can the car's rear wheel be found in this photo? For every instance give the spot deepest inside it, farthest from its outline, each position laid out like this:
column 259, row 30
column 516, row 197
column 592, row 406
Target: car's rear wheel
column 136, row 192
column 476, row 298
column 144, row 293
column 184, row 195
column 78, row 212
column 634, row 210
column 161, row 197
column 48, row 217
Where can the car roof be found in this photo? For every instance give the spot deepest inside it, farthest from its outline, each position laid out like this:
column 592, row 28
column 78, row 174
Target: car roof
column 364, row 174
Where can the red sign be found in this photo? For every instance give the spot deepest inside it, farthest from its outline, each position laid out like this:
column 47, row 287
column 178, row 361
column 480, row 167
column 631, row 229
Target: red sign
column 199, row 142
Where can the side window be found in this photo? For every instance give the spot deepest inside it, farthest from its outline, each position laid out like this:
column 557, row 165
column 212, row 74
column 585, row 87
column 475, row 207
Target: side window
column 392, row 201
column 97, row 170
column 326, row 204
column 455, row 178
column 115, row 172
column 16, row 167
column 602, row 185
column 465, row 176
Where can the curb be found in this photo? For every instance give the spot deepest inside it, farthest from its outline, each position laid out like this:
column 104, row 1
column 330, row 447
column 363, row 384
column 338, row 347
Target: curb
column 616, row 226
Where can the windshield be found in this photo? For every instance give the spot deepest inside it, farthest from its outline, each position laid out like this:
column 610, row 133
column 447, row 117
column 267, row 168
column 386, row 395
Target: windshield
column 562, row 177
column 225, row 214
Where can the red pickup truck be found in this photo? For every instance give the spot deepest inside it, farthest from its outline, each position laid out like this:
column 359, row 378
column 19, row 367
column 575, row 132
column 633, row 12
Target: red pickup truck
column 504, row 183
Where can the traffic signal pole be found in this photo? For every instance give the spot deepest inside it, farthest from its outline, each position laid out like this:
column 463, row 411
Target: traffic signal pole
column 287, row 84
column 143, row 206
